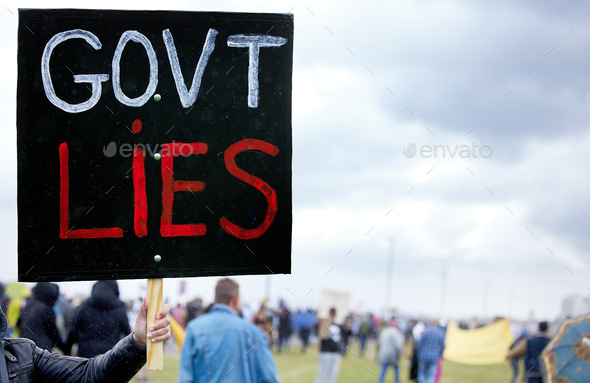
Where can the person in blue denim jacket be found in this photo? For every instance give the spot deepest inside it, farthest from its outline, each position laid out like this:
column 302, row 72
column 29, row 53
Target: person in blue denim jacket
column 220, row 346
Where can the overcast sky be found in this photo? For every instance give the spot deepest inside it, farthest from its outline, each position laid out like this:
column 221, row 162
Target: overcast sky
column 494, row 222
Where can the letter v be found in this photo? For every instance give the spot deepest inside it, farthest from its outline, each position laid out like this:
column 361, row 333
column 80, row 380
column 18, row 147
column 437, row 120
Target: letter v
column 188, row 98
column 452, row 152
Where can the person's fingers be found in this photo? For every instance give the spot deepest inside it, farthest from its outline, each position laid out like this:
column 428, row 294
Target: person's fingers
column 160, row 323
column 159, row 329
column 158, row 334
column 164, row 311
column 162, row 338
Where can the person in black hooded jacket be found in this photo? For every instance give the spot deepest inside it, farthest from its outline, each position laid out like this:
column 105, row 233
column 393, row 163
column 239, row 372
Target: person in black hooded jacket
column 99, row 322
column 23, row 362
column 37, row 319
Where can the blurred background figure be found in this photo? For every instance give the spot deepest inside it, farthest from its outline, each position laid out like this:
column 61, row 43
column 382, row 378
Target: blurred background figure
column 304, row 322
column 37, row 319
column 132, row 312
column 99, row 322
column 365, row 332
column 4, row 299
column 194, row 308
column 180, row 314
column 284, row 327
column 430, row 348
column 330, row 349
column 4, row 305
column 531, row 347
column 416, row 331
column 391, row 346
column 262, row 320
column 62, row 309
column 514, row 362
column 346, row 333
column 16, row 292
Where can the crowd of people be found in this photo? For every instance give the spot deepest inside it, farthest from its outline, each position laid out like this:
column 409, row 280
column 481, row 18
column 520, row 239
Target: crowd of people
column 284, row 328
column 234, row 342
column 93, row 327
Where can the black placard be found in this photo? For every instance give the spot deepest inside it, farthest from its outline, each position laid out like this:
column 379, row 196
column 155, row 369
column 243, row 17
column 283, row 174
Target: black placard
column 102, row 94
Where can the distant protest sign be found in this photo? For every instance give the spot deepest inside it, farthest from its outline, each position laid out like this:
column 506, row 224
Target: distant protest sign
column 153, row 144
column 338, row 300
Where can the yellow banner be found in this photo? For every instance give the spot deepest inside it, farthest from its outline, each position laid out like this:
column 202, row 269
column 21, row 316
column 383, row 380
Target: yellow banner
column 481, row 346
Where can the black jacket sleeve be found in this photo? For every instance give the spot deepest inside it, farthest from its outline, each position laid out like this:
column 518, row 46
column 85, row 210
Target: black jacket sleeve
column 120, row 364
column 28, row 363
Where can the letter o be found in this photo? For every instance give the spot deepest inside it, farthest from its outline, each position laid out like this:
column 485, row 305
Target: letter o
column 153, row 60
column 491, row 151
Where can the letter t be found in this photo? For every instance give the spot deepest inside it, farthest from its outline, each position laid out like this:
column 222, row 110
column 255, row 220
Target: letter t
column 254, row 43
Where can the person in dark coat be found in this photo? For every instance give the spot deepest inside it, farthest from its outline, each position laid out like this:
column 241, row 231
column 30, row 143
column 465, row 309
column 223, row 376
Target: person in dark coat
column 99, row 322
column 37, row 319
column 531, row 348
column 284, row 327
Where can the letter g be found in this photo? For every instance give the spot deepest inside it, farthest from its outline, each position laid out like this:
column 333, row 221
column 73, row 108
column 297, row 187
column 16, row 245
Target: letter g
column 94, row 79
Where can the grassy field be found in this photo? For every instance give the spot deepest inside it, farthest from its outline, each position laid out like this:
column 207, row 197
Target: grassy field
column 296, row 368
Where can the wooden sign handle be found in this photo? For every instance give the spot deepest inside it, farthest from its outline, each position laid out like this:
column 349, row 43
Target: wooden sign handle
column 155, row 351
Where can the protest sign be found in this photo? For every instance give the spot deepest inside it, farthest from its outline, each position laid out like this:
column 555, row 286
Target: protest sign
column 153, row 144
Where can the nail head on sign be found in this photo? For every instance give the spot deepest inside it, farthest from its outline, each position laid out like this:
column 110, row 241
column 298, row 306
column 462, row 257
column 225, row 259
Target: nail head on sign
column 157, row 156
column 157, row 97
column 157, row 258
